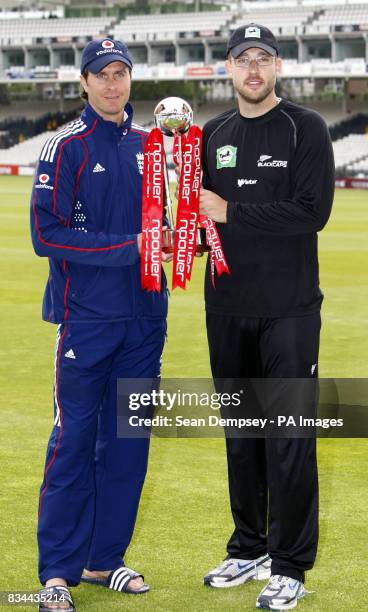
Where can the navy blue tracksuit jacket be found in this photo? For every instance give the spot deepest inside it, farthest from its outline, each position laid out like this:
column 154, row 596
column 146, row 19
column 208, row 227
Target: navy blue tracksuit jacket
column 86, row 212
column 85, row 217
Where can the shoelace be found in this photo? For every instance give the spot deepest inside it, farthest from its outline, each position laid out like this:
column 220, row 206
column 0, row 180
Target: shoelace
column 280, row 580
column 227, row 562
column 223, row 566
column 275, row 579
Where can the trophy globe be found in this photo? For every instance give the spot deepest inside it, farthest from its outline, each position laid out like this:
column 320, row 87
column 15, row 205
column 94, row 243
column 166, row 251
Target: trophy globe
column 173, row 116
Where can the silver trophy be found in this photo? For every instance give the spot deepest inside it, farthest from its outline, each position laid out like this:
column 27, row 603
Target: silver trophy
column 174, row 116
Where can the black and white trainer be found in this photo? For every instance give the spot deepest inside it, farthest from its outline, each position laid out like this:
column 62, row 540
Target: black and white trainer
column 281, row 593
column 232, row 572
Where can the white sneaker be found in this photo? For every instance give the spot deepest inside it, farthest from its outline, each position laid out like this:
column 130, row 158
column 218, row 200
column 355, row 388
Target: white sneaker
column 281, row 593
column 232, row 572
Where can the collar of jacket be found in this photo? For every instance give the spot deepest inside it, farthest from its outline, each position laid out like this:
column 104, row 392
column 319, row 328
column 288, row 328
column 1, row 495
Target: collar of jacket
column 89, row 115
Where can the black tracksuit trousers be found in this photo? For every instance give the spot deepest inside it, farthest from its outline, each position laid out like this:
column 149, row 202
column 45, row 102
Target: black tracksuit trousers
column 273, row 483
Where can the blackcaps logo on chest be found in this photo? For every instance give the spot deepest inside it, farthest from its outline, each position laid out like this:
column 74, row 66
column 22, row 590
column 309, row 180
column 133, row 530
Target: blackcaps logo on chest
column 266, row 161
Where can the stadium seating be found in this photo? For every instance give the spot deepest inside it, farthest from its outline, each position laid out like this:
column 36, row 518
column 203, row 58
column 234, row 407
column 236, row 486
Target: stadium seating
column 358, row 168
column 165, row 26
column 32, row 109
column 281, row 19
column 27, row 152
column 24, row 38
column 284, row 20
column 350, row 150
column 28, row 31
column 353, row 14
column 356, row 123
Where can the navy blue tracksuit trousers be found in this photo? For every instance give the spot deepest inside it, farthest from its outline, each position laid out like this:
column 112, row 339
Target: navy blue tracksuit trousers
column 93, row 480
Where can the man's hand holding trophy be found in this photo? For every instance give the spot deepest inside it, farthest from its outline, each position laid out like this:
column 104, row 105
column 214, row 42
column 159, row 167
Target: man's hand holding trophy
column 192, row 233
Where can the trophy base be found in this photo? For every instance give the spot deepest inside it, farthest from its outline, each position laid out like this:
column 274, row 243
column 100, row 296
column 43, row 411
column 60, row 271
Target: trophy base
column 168, row 240
column 202, row 246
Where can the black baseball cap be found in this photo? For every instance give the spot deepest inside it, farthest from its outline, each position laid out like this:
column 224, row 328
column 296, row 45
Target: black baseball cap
column 252, row 35
column 99, row 53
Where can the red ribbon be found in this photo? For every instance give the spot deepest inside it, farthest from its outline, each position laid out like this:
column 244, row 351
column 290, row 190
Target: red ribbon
column 187, row 214
column 217, row 256
column 152, row 211
column 188, row 207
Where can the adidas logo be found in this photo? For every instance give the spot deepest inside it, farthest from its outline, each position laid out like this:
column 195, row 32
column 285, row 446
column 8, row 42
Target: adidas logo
column 70, row 354
column 98, row 168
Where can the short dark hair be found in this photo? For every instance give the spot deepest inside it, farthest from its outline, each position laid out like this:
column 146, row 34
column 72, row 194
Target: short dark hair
column 83, row 94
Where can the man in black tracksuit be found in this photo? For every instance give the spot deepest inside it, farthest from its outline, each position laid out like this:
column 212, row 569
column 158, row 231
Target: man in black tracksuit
column 268, row 183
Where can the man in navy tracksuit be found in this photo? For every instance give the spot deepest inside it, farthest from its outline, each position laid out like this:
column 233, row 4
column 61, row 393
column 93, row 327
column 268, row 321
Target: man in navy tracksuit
column 86, row 218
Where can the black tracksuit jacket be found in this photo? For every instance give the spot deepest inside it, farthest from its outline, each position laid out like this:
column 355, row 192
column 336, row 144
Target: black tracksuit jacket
column 277, row 173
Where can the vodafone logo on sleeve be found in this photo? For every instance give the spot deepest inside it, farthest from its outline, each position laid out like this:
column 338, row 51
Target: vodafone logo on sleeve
column 43, row 180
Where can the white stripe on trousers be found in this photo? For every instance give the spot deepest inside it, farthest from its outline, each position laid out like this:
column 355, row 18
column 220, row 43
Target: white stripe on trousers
column 57, row 408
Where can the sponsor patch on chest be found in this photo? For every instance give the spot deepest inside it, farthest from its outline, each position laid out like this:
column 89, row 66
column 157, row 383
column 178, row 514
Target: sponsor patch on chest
column 226, row 157
column 244, row 181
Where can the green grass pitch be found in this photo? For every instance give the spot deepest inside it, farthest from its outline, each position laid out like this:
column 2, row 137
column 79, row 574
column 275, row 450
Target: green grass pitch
column 184, row 517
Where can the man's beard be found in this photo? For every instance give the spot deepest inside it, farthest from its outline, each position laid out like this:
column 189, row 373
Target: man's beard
column 261, row 96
